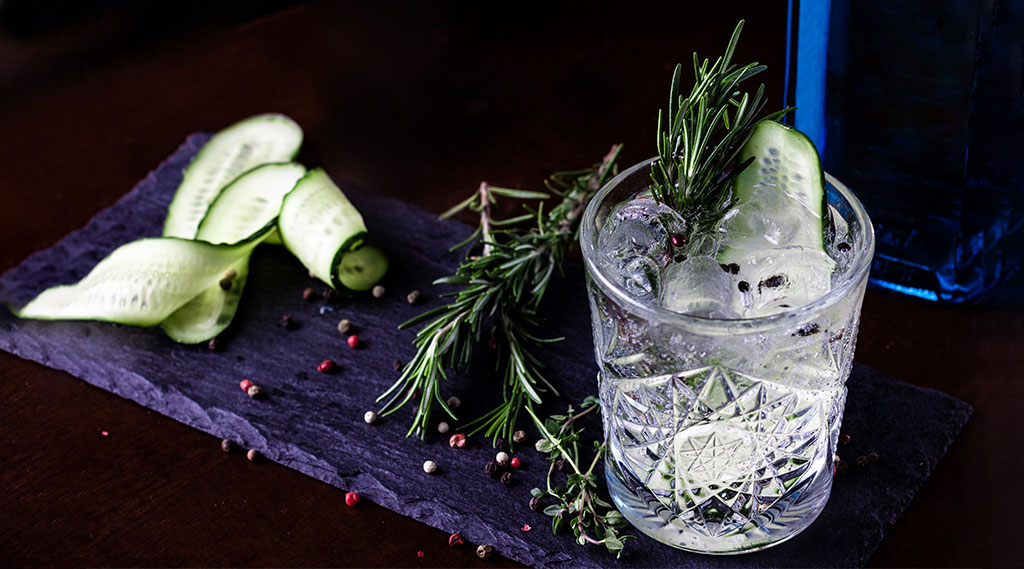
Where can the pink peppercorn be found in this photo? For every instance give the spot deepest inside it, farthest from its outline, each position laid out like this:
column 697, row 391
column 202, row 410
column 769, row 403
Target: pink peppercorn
column 457, row 440
column 455, row 539
column 353, row 341
column 245, row 384
column 515, row 462
column 351, row 499
column 326, row 366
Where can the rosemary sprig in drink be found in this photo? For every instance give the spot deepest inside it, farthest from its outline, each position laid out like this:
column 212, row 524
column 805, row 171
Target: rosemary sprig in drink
column 701, row 138
column 501, row 290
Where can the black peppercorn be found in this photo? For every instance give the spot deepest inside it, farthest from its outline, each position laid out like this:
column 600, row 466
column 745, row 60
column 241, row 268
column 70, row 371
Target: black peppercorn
column 213, row 345
column 535, row 504
column 560, row 464
column 506, row 479
column 744, row 286
column 227, row 445
column 501, row 444
column 491, row 469
column 398, row 365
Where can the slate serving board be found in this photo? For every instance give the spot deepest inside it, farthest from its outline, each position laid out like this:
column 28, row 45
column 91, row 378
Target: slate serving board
column 312, row 422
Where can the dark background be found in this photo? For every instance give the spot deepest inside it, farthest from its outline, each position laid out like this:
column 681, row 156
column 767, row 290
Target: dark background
column 418, row 103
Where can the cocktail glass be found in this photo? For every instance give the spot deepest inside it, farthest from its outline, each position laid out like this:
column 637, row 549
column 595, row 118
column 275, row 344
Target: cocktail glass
column 721, row 432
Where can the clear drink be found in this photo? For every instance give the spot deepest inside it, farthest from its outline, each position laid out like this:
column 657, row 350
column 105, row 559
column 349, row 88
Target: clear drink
column 722, row 391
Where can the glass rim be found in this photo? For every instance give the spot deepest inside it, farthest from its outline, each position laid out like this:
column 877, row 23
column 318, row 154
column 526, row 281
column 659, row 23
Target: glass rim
column 864, row 247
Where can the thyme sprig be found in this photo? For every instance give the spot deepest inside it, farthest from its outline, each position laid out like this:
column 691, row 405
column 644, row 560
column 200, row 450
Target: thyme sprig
column 501, row 290
column 699, row 142
column 578, row 506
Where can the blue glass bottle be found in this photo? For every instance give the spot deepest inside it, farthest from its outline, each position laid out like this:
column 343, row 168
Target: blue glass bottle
column 917, row 105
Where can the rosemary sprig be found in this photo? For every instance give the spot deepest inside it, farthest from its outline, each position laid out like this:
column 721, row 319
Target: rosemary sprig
column 592, row 519
column 701, row 139
column 501, row 290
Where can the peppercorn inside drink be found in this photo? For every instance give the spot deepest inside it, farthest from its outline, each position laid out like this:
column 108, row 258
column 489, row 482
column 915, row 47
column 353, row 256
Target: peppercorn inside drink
column 723, row 363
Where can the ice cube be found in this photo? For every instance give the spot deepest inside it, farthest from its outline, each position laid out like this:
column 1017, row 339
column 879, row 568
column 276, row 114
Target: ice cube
column 636, row 243
column 698, row 286
column 776, row 280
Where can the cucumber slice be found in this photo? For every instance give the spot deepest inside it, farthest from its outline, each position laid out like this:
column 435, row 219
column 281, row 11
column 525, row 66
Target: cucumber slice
column 143, row 282
column 234, row 150
column 321, row 227
column 247, row 204
column 775, row 233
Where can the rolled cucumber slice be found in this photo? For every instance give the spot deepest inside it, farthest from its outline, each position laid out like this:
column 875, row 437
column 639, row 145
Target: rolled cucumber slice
column 242, row 146
column 250, row 202
column 321, row 227
column 142, row 282
column 776, row 231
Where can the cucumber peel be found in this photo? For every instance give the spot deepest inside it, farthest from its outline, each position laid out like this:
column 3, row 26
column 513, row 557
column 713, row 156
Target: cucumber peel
column 240, row 147
column 239, row 191
column 321, row 227
column 142, row 282
column 247, row 204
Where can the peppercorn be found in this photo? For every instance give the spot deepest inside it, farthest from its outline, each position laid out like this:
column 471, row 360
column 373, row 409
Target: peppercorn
column 501, row 458
column 413, row 297
column 344, row 325
column 457, row 440
column 398, row 365
column 492, row 343
column 535, row 504
column 308, row 293
column 484, row 551
column 506, row 478
column 326, row 366
column 491, row 469
column 351, row 499
column 213, row 345
column 378, row 291
column 560, row 464
column 370, row 417
column 328, row 295
column 500, row 443
column 255, row 391
column 353, row 341
column 225, row 284
column 287, row 322
column 862, row 460
column 430, row 467
column 227, row 445
column 454, row 402
column 455, row 539
column 442, row 427
column 844, row 439
column 245, row 384
column 872, row 456
column 519, row 437
column 744, row 286
column 515, row 462
column 253, row 455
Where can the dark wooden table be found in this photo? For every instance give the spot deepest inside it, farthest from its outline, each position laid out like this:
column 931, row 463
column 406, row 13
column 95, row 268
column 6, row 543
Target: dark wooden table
column 420, row 105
